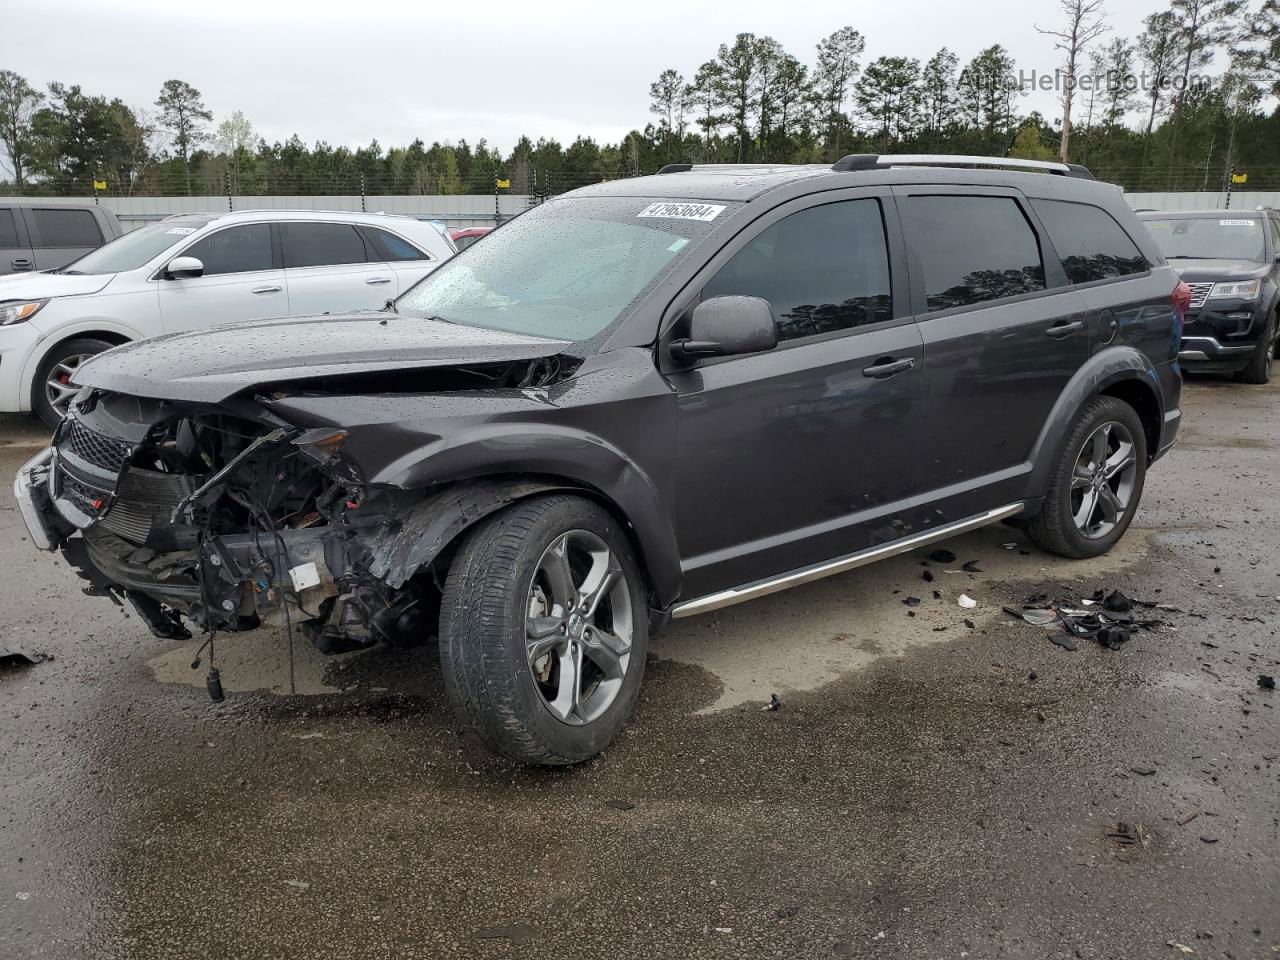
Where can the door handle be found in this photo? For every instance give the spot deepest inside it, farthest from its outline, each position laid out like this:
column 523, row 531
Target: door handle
column 20, row 264
column 887, row 367
column 1065, row 328
column 266, row 289
column 373, row 281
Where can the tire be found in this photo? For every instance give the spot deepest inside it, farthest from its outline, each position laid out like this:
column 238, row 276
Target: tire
column 1258, row 369
column 504, row 585
column 68, row 355
column 1057, row 527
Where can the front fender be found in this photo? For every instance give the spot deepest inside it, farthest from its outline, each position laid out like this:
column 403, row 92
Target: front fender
column 51, row 336
column 559, row 457
column 1104, row 369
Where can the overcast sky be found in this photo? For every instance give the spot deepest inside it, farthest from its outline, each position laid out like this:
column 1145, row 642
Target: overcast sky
column 399, row 69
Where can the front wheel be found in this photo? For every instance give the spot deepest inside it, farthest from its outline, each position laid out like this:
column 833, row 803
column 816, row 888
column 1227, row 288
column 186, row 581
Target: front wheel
column 1259, row 367
column 52, row 390
column 544, row 630
column 1096, row 485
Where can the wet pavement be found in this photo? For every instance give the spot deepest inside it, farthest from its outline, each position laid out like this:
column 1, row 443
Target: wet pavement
column 927, row 789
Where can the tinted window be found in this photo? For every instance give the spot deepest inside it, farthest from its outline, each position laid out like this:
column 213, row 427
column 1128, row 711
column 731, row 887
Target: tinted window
column 1091, row 244
column 8, row 230
column 1224, row 237
column 821, row 269
column 66, row 228
column 234, row 250
column 972, row 249
column 322, row 244
column 391, row 247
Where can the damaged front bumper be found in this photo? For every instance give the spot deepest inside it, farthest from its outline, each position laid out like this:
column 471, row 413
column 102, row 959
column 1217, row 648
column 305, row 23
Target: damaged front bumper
column 31, row 490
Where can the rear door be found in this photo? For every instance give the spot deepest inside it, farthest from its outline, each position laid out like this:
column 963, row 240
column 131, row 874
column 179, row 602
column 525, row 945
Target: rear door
column 803, row 453
column 332, row 268
column 408, row 263
column 242, row 280
column 1002, row 336
column 61, row 234
column 15, row 250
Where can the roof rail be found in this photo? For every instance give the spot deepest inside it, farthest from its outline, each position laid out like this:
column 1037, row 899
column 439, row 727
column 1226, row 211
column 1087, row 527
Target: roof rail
column 872, row 161
column 676, row 168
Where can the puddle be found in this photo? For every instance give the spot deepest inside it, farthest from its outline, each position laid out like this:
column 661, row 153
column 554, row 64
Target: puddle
column 804, row 638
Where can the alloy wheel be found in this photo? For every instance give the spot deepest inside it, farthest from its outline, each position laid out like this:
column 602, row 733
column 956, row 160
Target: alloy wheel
column 578, row 628
column 57, row 388
column 1103, row 481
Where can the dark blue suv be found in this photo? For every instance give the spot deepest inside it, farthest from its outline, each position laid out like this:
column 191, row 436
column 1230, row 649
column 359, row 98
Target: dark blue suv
column 1229, row 259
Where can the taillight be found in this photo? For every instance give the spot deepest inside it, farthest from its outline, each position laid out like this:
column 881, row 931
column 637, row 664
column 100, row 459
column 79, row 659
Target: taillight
column 1181, row 299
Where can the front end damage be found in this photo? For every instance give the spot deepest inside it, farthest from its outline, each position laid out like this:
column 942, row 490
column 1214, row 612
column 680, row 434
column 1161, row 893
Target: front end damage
column 226, row 518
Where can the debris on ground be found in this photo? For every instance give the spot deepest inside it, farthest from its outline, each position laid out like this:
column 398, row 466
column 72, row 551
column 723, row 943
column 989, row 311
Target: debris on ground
column 774, row 704
column 911, row 601
column 971, row 566
column 1105, row 617
column 942, row 556
column 298, row 884
column 13, row 659
column 1266, row 682
column 927, row 576
column 1130, row 834
column 966, row 601
column 1180, row 946
column 625, row 805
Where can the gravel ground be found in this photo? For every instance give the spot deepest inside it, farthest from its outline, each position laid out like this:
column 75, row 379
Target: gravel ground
column 926, row 790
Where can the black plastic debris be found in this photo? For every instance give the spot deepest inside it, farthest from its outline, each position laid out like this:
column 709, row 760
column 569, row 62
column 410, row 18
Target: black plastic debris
column 928, row 576
column 1105, row 617
column 1117, row 602
column 911, row 601
column 1112, row 635
column 1063, row 641
column 774, row 704
column 942, row 556
column 1266, row 682
column 11, row 659
column 971, row 566
column 969, row 624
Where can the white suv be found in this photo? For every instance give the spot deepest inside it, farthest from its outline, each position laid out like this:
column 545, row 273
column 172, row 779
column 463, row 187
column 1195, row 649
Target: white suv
column 195, row 271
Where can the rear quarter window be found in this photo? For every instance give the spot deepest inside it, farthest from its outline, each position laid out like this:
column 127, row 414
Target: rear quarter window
column 8, row 230
column 1090, row 243
column 66, row 228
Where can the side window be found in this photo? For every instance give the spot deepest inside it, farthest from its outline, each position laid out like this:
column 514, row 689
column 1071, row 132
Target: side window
column 66, row 228
column 1089, row 241
column 821, row 269
column 8, row 230
column 1275, row 234
column 391, row 247
column 972, row 249
column 322, row 244
column 239, row 249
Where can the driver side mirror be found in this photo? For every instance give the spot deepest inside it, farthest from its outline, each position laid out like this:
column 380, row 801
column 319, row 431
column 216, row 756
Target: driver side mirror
column 725, row 326
column 183, row 267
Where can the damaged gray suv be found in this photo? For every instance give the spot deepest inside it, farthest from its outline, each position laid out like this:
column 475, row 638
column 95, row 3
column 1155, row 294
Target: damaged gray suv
column 645, row 399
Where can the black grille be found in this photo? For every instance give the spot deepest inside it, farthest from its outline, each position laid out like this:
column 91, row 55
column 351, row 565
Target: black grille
column 145, row 499
column 94, row 448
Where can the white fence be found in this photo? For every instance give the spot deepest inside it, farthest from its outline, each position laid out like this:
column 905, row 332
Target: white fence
column 452, row 210
column 473, row 210
column 1241, row 200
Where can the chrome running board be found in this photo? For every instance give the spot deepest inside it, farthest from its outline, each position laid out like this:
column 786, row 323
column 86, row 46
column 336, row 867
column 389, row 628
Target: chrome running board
column 829, row 568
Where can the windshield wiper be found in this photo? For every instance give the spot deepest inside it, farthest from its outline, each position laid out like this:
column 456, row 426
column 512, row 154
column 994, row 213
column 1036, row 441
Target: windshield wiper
column 1187, row 256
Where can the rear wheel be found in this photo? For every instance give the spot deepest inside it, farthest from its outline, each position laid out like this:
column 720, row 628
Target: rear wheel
column 1260, row 364
column 1096, row 484
column 52, row 390
column 543, row 631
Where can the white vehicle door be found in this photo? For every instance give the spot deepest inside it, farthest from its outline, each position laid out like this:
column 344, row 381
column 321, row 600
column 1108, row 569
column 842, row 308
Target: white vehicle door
column 407, row 261
column 332, row 269
column 242, row 280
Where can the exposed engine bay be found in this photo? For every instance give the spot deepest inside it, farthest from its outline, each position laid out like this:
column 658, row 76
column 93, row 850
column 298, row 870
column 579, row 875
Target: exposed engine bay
column 228, row 518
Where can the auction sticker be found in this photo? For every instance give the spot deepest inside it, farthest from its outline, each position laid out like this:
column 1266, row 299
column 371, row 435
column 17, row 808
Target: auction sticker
column 1236, row 223
column 683, row 211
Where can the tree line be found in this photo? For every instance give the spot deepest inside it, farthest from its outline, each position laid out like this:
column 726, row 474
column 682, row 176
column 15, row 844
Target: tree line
column 1178, row 107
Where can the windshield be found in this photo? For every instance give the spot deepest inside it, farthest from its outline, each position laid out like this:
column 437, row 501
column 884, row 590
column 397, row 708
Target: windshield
column 566, row 269
column 134, row 249
column 1209, row 238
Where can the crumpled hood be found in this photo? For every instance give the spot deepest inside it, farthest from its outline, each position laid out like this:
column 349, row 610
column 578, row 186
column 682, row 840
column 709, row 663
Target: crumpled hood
column 41, row 286
column 211, row 365
column 1199, row 271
